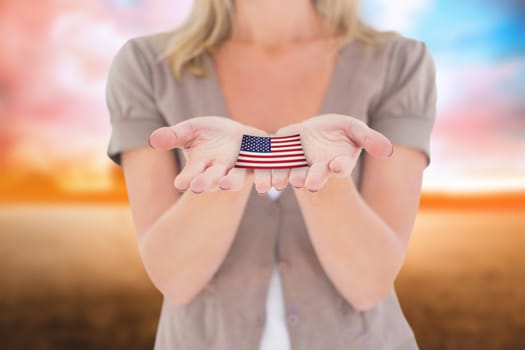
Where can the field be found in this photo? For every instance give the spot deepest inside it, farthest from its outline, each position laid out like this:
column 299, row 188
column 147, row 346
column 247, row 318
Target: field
column 71, row 278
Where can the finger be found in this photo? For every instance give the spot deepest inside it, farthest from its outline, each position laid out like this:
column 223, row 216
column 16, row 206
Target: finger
column 280, row 178
column 169, row 137
column 316, row 176
column 297, row 176
column 262, row 180
column 188, row 173
column 341, row 166
column 234, row 180
column 209, row 178
column 375, row 143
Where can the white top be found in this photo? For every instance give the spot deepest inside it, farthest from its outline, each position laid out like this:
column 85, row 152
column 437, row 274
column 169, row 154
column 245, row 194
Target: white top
column 275, row 334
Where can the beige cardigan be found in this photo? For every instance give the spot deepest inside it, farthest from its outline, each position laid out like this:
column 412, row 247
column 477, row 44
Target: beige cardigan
column 393, row 90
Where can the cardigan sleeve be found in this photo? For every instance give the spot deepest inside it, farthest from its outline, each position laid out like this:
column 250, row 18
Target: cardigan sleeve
column 406, row 109
column 130, row 101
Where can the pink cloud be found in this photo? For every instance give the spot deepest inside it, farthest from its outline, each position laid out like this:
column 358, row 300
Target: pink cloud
column 53, row 70
column 476, row 84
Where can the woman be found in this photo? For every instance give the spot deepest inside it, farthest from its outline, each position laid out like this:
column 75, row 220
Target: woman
column 333, row 242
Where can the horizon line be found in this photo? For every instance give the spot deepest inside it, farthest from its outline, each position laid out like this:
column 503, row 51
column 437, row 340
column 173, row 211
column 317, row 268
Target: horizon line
column 428, row 199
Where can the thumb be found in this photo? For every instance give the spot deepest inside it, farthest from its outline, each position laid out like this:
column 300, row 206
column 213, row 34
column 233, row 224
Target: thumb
column 378, row 145
column 168, row 137
column 374, row 142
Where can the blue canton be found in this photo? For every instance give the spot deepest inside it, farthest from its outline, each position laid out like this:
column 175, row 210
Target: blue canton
column 259, row 144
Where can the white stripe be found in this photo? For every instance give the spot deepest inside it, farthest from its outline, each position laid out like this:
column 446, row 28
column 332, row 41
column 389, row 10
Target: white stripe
column 283, row 148
column 263, row 165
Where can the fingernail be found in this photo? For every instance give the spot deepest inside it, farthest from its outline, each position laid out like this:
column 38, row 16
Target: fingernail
column 391, row 153
column 149, row 143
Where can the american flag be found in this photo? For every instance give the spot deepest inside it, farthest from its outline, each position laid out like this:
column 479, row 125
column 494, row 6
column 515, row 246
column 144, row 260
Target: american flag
column 273, row 152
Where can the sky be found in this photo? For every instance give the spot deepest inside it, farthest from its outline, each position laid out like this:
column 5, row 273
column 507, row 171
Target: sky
column 478, row 142
column 56, row 53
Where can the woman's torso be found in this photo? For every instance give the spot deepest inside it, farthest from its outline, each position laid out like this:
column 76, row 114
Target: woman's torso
column 229, row 313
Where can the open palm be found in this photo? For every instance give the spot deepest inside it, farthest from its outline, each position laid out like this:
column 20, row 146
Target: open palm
column 210, row 145
column 332, row 144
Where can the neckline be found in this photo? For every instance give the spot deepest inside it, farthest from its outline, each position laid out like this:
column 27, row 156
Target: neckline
column 335, row 80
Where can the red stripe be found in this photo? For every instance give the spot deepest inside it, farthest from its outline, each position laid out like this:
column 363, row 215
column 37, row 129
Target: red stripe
column 277, row 167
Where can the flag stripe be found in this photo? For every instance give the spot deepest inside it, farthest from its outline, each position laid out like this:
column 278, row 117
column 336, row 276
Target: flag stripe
column 284, row 137
column 273, row 167
column 270, row 155
column 284, row 144
column 294, row 139
column 270, row 166
column 270, row 159
column 284, row 149
column 271, row 152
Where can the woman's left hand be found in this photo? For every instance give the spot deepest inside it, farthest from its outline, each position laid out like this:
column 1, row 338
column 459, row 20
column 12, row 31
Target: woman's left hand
column 332, row 144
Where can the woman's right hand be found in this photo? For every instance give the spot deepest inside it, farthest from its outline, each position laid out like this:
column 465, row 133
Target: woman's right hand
column 211, row 146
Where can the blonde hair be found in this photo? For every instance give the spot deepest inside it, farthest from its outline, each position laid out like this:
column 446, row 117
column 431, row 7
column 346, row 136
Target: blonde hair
column 210, row 23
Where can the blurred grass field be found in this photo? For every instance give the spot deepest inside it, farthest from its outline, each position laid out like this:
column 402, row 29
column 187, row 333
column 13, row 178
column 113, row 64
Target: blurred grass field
column 72, row 278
